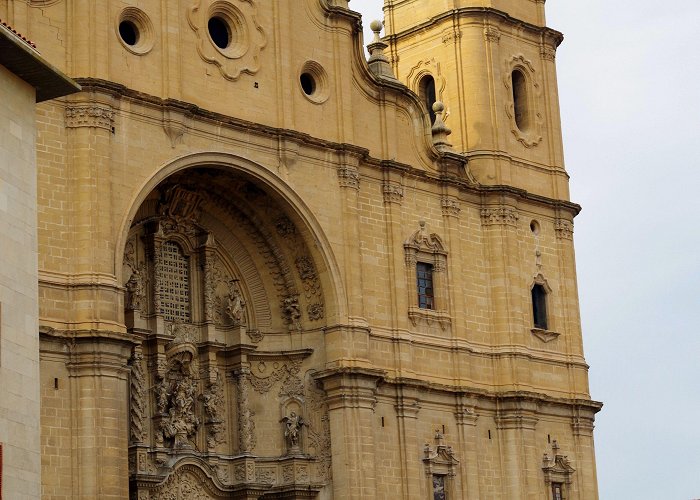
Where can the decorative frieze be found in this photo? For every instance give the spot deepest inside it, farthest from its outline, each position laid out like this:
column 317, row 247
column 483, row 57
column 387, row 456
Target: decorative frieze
column 90, row 115
column 499, row 216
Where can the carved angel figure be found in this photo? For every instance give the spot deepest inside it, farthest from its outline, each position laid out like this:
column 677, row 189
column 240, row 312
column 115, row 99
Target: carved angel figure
column 292, row 430
column 234, row 302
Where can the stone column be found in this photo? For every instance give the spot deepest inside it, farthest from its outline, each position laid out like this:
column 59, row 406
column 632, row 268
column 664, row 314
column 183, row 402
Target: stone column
column 407, row 408
column 466, row 418
column 99, row 381
column 245, row 425
column 351, row 398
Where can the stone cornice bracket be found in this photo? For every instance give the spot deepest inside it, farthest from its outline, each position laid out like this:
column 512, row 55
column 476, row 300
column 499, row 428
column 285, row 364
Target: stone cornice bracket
column 564, row 229
column 499, row 216
column 466, row 414
column 393, row 192
column 455, row 167
column 90, row 115
column 517, row 413
column 378, row 62
column 351, row 387
column 176, row 120
column 348, row 166
column 492, row 34
column 288, row 150
column 450, row 206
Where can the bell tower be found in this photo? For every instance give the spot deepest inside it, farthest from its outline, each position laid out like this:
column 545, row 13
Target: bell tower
column 491, row 62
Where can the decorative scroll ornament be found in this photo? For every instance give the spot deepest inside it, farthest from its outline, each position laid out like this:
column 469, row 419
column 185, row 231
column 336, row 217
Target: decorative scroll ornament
column 422, row 241
column 246, row 37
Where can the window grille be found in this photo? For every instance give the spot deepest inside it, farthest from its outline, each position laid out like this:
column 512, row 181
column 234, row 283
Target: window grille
column 174, row 283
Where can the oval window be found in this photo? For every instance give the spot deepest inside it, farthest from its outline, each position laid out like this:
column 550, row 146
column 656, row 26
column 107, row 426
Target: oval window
column 520, row 100
column 426, row 91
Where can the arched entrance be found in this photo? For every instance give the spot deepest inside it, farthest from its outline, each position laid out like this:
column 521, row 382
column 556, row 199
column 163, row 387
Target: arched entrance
column 228, row 289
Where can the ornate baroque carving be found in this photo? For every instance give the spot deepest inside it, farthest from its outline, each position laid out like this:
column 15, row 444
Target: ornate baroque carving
column 246, row 426
column 90, row 115
column 137, row 406
column 213, row 399
column 504, row 216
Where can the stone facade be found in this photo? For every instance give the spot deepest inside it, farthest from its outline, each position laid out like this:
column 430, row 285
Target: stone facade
column 25, row 78
column 266, row 272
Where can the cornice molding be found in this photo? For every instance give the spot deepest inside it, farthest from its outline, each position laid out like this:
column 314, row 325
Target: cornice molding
column 479, row 13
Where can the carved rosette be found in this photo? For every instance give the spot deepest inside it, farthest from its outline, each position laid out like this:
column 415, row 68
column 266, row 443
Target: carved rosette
column 90, row 115
column 242, row 55
column 499, row 216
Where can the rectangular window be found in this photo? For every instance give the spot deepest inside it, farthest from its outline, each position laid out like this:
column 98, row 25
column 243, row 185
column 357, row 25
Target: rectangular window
column 424, row 273
column 539, row 307
column 557, row 491
column 439, row 487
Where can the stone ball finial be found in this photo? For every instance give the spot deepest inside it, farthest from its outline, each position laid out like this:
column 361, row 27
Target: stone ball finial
column 375, row 26
column 438, row 107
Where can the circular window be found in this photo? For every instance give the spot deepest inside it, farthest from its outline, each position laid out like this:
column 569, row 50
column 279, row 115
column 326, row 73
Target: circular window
column 219, row 32
column 129, row 33
column 227, row 30
column 314, row 82
column 308, row 84
column 135, row 31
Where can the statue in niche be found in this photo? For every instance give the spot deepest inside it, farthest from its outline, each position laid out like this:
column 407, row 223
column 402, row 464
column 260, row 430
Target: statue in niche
column 292, row 430
column 136, row 290
column 234, row 302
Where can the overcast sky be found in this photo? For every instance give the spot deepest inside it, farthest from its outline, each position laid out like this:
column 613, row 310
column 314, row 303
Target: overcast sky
column 629, row 87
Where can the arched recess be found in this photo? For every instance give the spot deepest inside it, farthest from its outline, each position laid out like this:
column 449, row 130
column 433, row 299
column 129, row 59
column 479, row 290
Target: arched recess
column 296, row 220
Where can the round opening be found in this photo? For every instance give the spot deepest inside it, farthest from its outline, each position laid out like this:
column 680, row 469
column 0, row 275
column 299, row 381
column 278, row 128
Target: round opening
column 308, row 84
column 129, row 33
column 219, row 32
column 535, row 227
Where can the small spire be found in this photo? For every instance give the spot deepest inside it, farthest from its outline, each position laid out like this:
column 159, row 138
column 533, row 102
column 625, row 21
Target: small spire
column 440, row 130
column 378, row 61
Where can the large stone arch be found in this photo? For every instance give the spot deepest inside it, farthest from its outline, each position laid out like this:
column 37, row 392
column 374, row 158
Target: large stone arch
column 311, row 231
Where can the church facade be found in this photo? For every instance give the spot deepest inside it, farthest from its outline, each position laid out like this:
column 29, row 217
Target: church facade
column 270, row 267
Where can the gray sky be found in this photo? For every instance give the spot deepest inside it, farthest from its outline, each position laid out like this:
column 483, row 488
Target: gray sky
column 629, row 87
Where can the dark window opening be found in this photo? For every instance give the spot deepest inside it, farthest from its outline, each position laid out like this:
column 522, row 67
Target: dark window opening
column 539, row 307
column 308, row 84
column 219, row 32
column 522, row 117
column 557, row 491
column 439, row 487
column 426, row 91
column 129, row 33
column 426, row 299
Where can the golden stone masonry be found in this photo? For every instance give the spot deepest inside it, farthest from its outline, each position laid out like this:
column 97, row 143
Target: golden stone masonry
column 270, row 266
